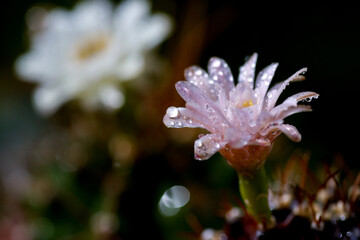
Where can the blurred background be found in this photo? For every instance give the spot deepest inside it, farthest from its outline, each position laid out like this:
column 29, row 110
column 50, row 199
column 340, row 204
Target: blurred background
column 123, row 175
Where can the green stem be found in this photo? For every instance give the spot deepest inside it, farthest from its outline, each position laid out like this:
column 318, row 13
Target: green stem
column 254, row 191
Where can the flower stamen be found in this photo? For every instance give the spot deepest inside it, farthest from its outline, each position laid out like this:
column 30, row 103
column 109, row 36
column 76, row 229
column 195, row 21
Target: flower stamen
column 247, row 103
column 91, row 47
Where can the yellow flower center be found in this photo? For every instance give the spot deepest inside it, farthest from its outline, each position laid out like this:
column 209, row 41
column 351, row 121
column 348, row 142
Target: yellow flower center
column 247, row 103
column 91, row 48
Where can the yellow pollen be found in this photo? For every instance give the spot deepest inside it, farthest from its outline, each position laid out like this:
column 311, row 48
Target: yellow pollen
column 91, row 48
column 247, row 103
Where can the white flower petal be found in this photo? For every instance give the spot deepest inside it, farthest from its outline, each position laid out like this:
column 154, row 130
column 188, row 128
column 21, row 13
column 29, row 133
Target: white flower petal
column 128, row 14
column 30, row 67
column 58, row 20
column 130, row 67
column 91, row 15
column 48, row 100
column 154, row 30
column 107, row 96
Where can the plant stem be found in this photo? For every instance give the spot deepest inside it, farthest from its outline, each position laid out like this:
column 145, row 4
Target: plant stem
column 254, row 191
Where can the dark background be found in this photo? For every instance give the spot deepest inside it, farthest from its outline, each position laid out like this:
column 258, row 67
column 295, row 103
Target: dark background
column 323, row 38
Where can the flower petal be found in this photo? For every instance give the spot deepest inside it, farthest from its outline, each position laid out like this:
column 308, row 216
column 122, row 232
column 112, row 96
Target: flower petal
column 290, row 131
column 107, row 96
column 49, row 99
column 220, row 72
column 236, row 138
column 182, row 117
column 263, row 81
column 247, row 71
column 292, row 110
column 201, row 79
column 154, row 30
column 91, row 15
column 274, row 93
column 292, row 102
column 207, row 145
column 130, row 14
column 199, row 100
column 191, row 93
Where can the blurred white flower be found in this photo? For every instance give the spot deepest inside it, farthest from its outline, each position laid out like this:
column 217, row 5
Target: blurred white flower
column 83, row 54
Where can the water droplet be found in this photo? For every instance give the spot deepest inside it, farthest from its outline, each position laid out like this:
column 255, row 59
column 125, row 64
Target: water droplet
column 198, row 143
column 264, row 76
column 216, row 62
column 172, row 112
column 198, row 72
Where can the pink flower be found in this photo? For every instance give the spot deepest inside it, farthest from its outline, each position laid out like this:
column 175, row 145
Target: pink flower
column 243, row 120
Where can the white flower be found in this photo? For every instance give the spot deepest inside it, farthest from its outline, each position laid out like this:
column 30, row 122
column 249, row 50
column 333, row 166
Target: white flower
column 242, row 119
column 83, row 54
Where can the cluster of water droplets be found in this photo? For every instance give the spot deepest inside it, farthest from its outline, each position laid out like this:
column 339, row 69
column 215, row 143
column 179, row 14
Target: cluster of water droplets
column 206, row 146
column 176, row 118
column 309, row 99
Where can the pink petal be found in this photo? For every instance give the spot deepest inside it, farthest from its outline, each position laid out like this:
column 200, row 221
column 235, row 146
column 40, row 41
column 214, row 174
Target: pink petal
column 201, row 79
column 291, row 132
column 292, row 110
column 220, row 73
column 274, row 93
column 247, row 71
column 191, row 93
column 261, row 142
column 207, row 145
column 292, row 102
column 182, row 117
column 236, row 138
column 263, row 81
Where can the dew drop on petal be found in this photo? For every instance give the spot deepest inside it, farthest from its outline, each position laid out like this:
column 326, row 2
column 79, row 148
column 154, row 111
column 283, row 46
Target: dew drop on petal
column 198, row 72
column 216, row 62
column 198, row 143
column 172, row 112
column 264, row 76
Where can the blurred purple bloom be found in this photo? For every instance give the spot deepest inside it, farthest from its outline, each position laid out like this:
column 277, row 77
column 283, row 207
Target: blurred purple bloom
column 241, row 119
